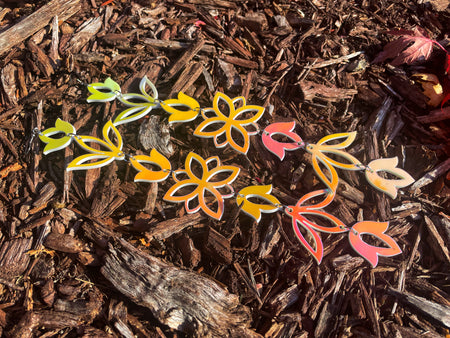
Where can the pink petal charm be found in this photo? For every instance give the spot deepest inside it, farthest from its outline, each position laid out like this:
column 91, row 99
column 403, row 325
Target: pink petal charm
column 368, row 251
column 284, row 129
column 299, row 221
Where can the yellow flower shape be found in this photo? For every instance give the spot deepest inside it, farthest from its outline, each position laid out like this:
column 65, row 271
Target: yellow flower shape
column 323, row 147
column 209, row 181
column 98, row 158
column 226, row 122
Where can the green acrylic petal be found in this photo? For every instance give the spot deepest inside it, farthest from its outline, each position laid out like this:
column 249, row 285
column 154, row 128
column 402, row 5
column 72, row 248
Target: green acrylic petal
column 99, row 96
column 110, row 83
column 54, row 144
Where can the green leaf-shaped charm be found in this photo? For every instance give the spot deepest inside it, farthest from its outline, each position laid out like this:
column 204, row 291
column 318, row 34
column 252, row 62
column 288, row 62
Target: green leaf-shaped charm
column 103, row 92
column 54, row 144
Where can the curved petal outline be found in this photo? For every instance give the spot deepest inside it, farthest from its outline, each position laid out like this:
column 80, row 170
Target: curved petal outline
column 229, row 122
column 105, row 157
column 279, row 148
column 147, row 175
column 370, row 252
column 318, row 252
column 183, row 100
column 138, row 109
column 255, row 210
column 300, row 209
column 202, row 184
column 388, row 186
column 319, row 150
column 98, row 96
column 55, row 144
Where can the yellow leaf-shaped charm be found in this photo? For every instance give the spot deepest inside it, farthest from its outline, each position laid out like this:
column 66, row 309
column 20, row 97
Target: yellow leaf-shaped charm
column 54, row 144
column 190, row 105
column 97, row 157
column 320, row 150
column 147, row 175
column 255, row 209
column 388, row 186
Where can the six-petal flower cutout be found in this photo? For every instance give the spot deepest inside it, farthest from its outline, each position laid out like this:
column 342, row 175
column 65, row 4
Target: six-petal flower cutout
column 99, row 157
column 210, row 181
column 55, row 144
column 222, row 124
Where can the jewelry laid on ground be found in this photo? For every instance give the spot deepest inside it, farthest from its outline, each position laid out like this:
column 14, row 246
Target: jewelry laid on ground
column 223, row 121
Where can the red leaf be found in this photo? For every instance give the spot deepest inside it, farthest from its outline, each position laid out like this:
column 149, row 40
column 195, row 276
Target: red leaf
column 409, row 47
column 444, row 101
column 447, row 64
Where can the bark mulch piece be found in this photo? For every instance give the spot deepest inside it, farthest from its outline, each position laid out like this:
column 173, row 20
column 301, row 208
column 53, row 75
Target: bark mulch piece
column 94, row 254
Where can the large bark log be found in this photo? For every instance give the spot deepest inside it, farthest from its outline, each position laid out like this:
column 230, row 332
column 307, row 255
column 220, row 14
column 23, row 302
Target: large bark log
column 180, row 299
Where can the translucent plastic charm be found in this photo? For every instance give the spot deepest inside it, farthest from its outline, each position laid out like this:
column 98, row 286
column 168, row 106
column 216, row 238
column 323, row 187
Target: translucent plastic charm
column 227, row 120
column 370, row 252
column 103, row 92
column 55, row 144
column 299, row 217
column 98, row 158
column 255, row 209
column 282, row 129
column 210, row 180
column 147, row 175
column 320, row 150
column 140, row 104
column 388, row 186
column 190, row 111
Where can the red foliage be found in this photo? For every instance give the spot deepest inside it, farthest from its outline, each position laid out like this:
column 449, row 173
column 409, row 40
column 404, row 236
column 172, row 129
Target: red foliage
column 412, row 45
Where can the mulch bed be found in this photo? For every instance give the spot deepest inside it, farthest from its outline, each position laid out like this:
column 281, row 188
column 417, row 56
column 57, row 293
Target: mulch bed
column 93, row 254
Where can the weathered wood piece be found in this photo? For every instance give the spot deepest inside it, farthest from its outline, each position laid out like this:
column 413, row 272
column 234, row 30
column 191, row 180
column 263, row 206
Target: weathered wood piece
column 64, row 9
column 32, row 321
column 14, row 258
column 218, row 247
column 165, row 229
column 180, row 299
column 176, row 45
column 184, row 59
column 435, row 311
column 437, row 242
column 63, row 243
column 430, row 176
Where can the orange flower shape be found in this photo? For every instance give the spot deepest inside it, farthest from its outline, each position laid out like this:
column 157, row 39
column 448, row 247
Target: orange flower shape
column 208, row 182
column 229, row 118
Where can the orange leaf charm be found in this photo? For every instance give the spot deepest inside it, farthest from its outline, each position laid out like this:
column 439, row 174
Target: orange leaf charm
column 368, row 251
